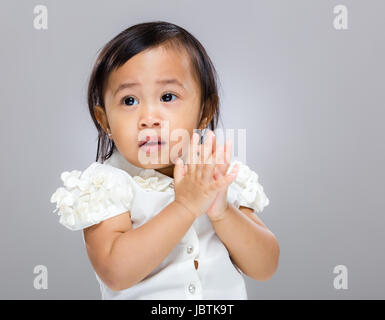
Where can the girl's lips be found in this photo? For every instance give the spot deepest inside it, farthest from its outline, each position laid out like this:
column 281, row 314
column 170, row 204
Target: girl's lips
column 151, row 147
column 153, row 139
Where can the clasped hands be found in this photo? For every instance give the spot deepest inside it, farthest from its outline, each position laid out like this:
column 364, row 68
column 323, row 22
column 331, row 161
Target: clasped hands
column 201, row 184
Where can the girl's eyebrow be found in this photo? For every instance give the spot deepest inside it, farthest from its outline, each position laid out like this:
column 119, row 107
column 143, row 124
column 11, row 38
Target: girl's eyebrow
column 164, row 81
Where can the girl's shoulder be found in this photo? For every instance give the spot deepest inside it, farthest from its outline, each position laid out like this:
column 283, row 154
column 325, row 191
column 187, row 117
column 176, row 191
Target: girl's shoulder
column 86, row 198
column 246, row 190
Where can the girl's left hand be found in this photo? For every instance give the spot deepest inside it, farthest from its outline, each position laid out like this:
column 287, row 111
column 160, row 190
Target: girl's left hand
column 222, row 156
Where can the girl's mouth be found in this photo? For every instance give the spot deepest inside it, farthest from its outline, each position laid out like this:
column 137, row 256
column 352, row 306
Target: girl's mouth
column 151, row 146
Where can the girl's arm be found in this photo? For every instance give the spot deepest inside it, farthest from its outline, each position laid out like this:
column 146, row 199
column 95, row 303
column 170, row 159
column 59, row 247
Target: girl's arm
column 123, row 256
column 251, row 245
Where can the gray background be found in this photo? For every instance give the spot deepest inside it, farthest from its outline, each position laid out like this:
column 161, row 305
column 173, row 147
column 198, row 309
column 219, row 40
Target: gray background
column 311, row 98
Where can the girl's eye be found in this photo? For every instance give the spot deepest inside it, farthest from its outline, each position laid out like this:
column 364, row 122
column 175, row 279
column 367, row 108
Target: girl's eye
column 128, row 100
column 168, row 96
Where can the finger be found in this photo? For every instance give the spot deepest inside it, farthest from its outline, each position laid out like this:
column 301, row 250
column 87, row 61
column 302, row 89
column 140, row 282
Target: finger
column 227, row 155
column 209, row 157
column 234, row 169
column 178, row 170
column 208, row 147
column 199, row 165
column 196, row 149
column 208, row 171
column 215, row 150
column 192, row 153
column 226, row 180
column 228, row 151
column 232, row 175
column 217, row 175
column 221, row 166
column 214, row 145
column 211, row 146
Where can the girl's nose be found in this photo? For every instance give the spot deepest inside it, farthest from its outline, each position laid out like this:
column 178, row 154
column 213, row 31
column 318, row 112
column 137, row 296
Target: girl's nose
column 148, row 122
column 149, row 116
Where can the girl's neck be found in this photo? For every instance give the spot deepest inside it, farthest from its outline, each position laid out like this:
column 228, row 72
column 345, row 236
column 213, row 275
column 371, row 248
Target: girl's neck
column 168, row 171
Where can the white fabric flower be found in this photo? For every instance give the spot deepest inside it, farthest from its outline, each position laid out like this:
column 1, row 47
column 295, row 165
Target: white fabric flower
column 70, row 179
column 87, row 198
column 150, row 179
column 250, row 193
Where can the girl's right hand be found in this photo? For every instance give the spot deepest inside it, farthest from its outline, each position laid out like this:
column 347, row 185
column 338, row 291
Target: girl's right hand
column 196, row 187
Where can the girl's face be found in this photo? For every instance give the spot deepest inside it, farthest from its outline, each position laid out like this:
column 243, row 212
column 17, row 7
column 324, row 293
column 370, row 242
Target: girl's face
column 154, row 89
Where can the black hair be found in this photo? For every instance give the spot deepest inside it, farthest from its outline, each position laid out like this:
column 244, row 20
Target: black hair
column 136, row 39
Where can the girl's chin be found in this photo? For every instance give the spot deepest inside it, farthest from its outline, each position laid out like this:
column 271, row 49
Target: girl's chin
column 153, row 158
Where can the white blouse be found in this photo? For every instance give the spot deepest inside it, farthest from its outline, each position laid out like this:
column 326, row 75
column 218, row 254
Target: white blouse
column 106, row 190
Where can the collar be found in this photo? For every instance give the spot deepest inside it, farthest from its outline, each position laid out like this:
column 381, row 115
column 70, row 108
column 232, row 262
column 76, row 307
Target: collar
column 149, row 179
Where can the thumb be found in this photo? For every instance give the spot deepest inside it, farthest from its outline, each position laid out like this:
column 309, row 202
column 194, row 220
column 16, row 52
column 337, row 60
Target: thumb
column 226, row 180
column 178, row 170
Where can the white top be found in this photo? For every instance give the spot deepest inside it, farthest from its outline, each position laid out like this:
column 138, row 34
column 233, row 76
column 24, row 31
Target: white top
column 105, row 190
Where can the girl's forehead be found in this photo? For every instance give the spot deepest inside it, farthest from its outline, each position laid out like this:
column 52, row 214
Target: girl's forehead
column 155, row 63
column 154, row 66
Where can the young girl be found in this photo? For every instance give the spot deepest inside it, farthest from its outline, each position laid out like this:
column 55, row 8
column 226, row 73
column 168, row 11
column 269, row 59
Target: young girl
column 184, row 227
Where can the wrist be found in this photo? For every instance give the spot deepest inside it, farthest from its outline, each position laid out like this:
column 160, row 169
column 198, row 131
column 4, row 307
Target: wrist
column 222, row 216
column 185, row 209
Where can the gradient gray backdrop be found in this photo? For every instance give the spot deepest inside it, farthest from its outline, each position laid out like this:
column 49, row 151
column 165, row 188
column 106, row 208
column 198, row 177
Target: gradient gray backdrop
column 310, row 97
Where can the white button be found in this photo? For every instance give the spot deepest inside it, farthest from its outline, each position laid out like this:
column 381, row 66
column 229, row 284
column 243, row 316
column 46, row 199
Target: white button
column 190, row 249
column 191, row 288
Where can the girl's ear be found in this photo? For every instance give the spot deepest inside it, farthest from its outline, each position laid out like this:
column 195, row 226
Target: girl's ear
column 203, row 123
column 101, row 117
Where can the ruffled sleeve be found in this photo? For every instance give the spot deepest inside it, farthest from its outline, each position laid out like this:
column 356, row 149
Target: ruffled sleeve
column 246, row 190
column 100, row 192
